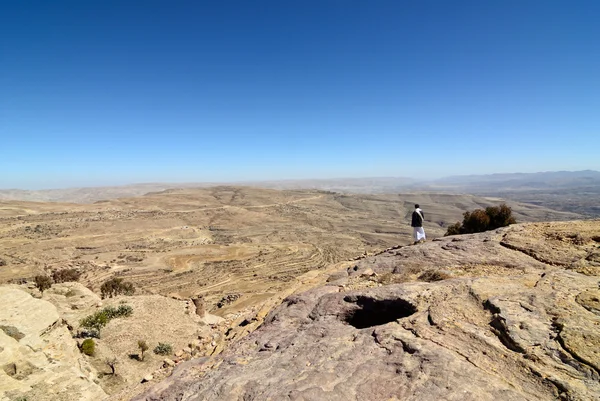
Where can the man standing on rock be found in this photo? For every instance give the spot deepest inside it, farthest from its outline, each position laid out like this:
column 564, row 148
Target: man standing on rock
column 417, row 224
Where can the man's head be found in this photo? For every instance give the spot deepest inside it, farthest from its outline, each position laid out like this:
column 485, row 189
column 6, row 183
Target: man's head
column 417, row 206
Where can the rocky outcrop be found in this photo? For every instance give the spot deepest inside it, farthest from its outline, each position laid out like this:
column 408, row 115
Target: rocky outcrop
column 514, row 316
column 200, row 305
column 39, row 360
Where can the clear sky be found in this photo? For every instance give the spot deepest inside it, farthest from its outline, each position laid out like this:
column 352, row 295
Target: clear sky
column 101, row 92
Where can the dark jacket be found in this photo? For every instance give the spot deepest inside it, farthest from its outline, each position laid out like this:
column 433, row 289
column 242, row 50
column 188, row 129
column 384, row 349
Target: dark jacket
column 417, row 221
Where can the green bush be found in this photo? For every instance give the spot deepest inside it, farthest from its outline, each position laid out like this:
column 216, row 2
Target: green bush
column 480, row 220
column 163, row 349
column 88, row 347
column 121, row 311
column 116, row 286
column 96, row 321
column 99, row 319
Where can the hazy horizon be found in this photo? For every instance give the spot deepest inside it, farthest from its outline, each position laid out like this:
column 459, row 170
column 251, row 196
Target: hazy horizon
column 113, row 93
column 412, row 180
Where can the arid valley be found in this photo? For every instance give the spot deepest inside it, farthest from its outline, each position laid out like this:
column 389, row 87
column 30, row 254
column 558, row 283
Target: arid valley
column 242, row 249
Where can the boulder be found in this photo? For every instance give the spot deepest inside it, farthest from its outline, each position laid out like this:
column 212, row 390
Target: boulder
column 39, row 359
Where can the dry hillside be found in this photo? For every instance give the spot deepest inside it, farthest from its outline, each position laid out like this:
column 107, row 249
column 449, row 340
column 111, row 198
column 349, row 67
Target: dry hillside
column 243, row 249
column 218, row 241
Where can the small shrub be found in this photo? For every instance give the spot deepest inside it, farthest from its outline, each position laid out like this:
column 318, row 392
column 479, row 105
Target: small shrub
column 99, row 319
column 88, row 347
column 2, row 262
column 433, row 275
column 116, row 286
column 124, row 311
column 480, row 220
column 65, row 275
column 120, row 311
column 96, row 321
column 163, row 349
column 112, row 363
column 143, row 346
column 454, row 229
column 43, row 283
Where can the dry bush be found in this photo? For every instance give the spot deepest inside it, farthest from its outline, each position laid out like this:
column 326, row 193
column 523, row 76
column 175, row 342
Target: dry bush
column 112, row 364
column 143, row 346
column 399, row 275
column 65, row 275
column 42, row 283
column 116, row 286
column 433, row 275
column 480, row 220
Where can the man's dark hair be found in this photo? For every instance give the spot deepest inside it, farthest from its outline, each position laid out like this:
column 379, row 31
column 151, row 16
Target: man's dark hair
column 417, row 206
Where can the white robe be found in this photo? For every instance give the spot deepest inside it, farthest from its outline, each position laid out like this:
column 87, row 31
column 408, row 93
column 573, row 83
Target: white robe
column 418, row 233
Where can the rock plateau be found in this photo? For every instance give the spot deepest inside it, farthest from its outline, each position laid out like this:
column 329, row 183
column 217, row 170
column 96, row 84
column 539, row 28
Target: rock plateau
column 511, row 314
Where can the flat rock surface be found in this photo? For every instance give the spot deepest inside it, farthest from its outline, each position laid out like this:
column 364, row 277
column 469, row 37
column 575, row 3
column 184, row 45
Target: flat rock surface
column 39, row 360
column 511, row 314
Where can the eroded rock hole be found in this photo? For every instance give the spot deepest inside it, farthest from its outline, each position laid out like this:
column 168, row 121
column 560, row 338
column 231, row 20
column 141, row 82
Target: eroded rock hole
column 374, row 312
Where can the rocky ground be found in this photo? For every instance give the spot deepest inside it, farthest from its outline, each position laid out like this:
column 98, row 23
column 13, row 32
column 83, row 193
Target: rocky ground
column 512, row 314
column 38, row 355
column 244, row 250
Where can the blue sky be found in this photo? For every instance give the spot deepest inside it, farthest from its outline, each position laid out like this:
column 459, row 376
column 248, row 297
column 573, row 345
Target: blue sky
column 115, row 92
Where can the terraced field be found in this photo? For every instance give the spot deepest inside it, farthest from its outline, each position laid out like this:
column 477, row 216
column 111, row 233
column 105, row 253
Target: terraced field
column 247, row 243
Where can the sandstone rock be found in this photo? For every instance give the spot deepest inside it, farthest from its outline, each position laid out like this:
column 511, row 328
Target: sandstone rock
column 515, row 323
column 200, row 305
column 40, row 359
column 168, row 362
column 368, row 273
column 147, row 378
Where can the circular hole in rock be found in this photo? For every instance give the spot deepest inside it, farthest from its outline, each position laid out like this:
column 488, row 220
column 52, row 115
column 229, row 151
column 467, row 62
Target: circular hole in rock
column 374, row 312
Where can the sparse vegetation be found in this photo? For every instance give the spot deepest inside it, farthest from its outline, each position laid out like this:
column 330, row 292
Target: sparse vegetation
column 42, row 283
column 65, row 275
column 120, row 311
column 95, row 322
column 480, row 220
column 88, row 347
column 12, row 332
column 116, row 286
column 399, row 275
column 433, row 275
column 163, row 349
column 143, row 346
column 2, row 262
column 112, row 364
column 99, row 319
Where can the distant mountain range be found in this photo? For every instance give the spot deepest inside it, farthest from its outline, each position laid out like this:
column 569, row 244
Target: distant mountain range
column 520, row 181
column 574, row 191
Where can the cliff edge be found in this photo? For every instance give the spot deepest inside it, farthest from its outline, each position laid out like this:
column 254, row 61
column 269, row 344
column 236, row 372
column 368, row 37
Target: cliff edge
column 510, row 314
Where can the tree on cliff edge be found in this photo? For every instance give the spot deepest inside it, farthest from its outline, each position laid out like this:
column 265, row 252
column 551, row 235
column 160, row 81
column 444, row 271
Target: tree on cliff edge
column 480, row 220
